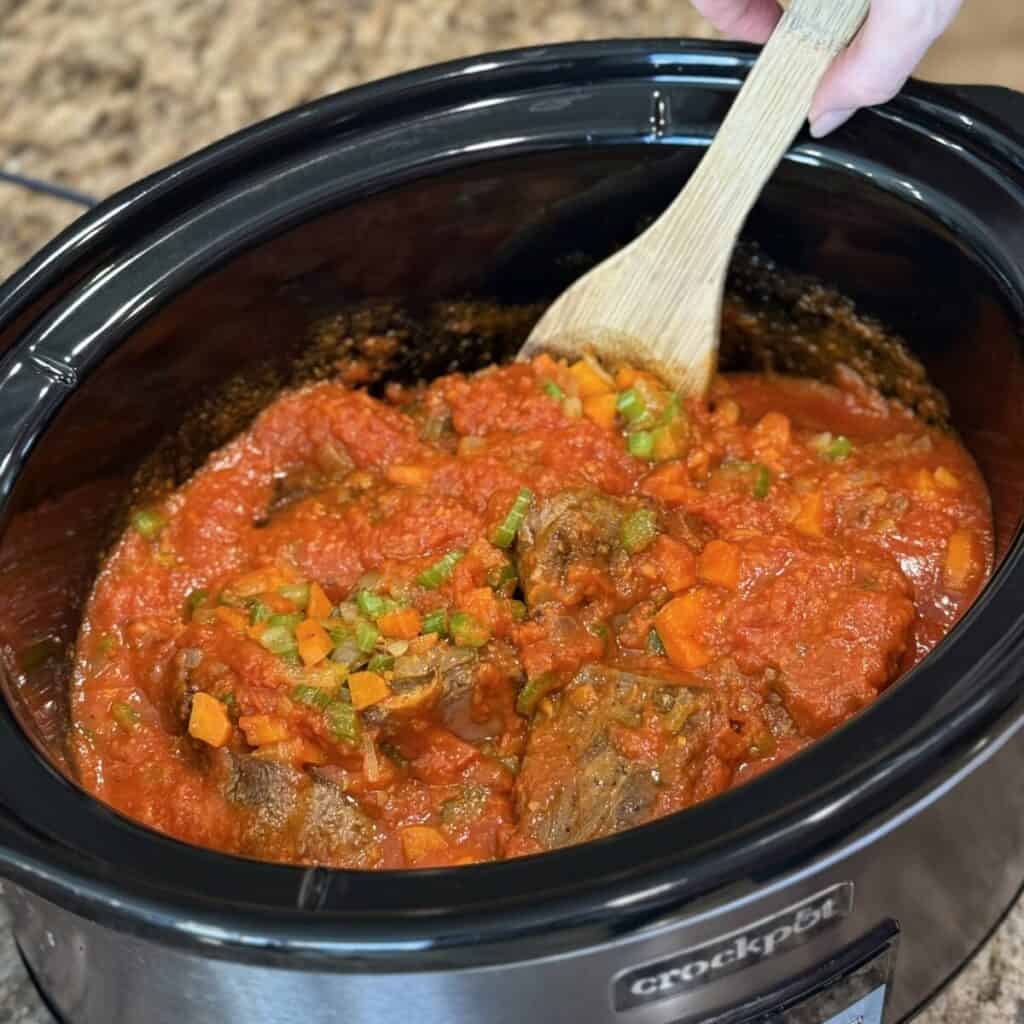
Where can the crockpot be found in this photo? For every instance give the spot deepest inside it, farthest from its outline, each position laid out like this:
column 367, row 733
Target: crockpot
column 848, row 884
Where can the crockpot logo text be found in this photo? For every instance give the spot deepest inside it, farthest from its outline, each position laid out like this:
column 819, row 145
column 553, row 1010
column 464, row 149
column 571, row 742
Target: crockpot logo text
column 730, row 953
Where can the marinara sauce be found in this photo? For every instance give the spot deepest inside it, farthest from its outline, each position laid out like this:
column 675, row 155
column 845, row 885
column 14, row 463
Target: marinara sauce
column 511, row 611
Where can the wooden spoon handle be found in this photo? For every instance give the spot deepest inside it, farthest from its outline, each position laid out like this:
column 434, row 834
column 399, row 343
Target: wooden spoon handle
column 770, row 108
column 658, row 300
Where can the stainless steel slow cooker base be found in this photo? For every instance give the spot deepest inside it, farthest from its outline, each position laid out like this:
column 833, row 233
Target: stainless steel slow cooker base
column 934, row 875
column 849, row 882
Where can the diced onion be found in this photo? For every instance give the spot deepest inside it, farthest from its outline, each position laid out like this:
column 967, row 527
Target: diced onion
column 371, row 766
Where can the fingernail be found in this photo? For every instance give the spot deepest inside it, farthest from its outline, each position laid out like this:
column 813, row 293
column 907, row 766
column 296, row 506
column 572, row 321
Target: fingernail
column 829, row 121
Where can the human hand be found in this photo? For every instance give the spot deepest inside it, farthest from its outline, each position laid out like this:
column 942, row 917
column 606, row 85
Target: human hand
column 891, row 43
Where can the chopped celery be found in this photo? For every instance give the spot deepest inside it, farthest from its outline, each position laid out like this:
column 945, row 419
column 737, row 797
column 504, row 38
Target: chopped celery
column 506, row 532
column 468, row 631
column 839, row 448
column 148, row 522
column 640, row 444
column 288, row 621
column 124, row 714
column 433, row 576
column 342, row 720
column 638, row 530
column 279, row 640
column 533, row 690
column 762, row 482
column 258, row 612
column 436, row 622
column 366, row 636
column 630, row 406
column 195, row 599
column 311, row 696
column 372, row 604
column 297, row 593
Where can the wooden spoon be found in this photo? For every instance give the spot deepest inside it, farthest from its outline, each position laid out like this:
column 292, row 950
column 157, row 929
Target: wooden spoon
column 657, row 303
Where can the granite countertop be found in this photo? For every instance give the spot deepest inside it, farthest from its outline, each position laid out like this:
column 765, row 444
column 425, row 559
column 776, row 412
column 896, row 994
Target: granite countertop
column 96, row 95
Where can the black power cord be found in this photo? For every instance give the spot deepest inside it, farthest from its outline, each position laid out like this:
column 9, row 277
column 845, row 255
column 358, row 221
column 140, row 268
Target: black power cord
column 47, row 188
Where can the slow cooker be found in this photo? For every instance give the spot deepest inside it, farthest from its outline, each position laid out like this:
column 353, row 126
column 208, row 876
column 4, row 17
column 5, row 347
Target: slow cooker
column 849, row 884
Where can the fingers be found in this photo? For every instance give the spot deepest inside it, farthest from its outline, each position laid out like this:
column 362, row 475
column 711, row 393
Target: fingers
column 895, row 37
column 750, row 20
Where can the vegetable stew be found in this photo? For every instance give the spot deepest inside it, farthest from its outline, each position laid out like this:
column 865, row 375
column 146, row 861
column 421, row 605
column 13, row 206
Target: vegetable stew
column 506, row 612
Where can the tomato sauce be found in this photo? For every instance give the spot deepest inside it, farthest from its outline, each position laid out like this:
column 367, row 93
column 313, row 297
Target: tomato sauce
column 511, row 611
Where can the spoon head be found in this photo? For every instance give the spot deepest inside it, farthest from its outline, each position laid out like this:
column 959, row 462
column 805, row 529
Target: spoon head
column 641, row 308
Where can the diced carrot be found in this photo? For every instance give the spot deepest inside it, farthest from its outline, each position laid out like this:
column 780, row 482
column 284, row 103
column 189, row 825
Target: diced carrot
column 692, row 654
column 719, row 563
column 544, row 364
column 423, row 842
column 590, row 380
column 726, row 414
column 313, row 642
column 944, row 478
column 810, row 520
column 294, row 751
column 402, row 623
column 232, row 617
column 961, row 563
column 208, row 721
column 600, row 409
column 481, row 603
column 669, row 483
column 367, row 688
column 626, row 377
column 263, row 729
column 319, row 604
column 409, row 476
column 773, row 430
column 681, row 624
column 676, row 563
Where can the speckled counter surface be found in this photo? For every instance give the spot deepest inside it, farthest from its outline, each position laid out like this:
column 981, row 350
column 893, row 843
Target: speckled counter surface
column 96, row 93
